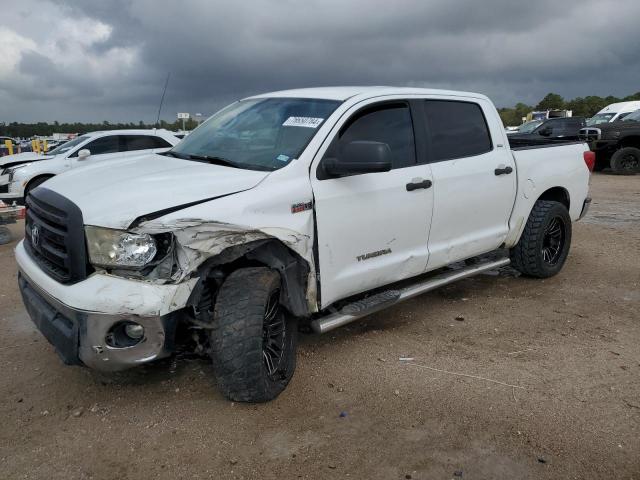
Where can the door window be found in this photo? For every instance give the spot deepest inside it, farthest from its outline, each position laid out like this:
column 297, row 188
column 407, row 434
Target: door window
column 456, row 129
column 99, row 146
column 390, row 124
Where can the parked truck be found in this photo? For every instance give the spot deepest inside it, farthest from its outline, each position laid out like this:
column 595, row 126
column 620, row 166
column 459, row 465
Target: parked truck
column 616, row 144
column 304, row 208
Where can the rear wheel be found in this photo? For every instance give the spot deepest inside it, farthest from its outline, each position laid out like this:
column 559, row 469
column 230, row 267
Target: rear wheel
column 626, row 161
column 253, row 340
column 545, row 241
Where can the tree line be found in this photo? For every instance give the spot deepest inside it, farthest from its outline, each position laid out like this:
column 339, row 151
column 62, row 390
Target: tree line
column 581, row 106
column 28, row 130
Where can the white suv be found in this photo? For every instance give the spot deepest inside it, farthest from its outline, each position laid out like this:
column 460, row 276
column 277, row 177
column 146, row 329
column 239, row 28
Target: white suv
column 23, row 172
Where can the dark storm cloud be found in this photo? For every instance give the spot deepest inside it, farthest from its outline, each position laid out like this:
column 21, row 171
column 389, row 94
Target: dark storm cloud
column 219, row 51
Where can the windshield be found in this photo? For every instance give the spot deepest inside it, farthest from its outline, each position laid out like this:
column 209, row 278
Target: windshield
column 632, row 117
column 257, row 134
column 65, row 147
column 601, row 118
column 528, row 127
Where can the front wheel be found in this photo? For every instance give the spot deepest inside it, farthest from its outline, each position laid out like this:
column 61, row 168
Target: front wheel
column 626, row 161
column 253, row 339
column 545, row 241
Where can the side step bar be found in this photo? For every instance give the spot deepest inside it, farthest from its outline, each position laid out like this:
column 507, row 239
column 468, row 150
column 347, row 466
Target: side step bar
column 380, row 301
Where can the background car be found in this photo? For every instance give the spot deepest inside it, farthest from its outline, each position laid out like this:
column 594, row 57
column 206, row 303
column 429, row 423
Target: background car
column 526, row 127
column 566, row 128
column 22, row 172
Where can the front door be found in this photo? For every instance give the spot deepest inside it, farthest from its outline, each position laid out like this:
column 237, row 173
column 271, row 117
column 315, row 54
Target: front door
column 102, row 148
column 373, row 228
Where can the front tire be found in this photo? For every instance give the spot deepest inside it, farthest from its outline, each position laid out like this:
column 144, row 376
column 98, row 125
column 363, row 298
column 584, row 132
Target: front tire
column 545, row 241
column 626, row 161
column 253, row 340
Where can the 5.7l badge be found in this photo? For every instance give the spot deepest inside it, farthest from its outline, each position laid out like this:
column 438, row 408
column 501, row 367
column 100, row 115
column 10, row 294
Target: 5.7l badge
column 367, row 256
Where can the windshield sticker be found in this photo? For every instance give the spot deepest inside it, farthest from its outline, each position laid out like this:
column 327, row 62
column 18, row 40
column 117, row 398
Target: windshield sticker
column 309, row 122
column 282, row 158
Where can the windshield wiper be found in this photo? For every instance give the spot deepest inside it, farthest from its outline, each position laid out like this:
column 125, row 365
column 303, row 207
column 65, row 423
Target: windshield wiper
column 175, row 154
column 229, row 163
column 214, row 159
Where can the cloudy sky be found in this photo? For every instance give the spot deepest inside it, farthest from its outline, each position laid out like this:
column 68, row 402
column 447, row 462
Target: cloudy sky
column 95, row 60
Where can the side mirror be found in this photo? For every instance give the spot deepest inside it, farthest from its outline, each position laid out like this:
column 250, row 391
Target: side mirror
column 84, row 154
column 545, row 132
column 360, row 156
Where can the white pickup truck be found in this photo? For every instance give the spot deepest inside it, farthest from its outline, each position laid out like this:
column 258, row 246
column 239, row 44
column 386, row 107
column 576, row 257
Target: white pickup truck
column 23, row 172
column 310, row 207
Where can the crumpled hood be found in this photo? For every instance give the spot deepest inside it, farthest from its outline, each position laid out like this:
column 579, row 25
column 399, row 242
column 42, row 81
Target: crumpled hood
column 117, row 192
column 18, row 158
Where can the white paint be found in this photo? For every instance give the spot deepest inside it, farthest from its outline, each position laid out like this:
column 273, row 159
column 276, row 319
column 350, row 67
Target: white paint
column 619, row 108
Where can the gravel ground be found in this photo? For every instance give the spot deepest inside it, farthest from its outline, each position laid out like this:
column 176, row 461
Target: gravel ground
column 541, row 379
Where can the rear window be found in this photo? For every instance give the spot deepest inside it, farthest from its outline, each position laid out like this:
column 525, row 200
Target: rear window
column 456, row 129
column 144, row 142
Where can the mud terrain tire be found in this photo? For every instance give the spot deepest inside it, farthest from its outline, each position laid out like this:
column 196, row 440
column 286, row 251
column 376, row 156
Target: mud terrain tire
column 253, row 339
column 545, row 241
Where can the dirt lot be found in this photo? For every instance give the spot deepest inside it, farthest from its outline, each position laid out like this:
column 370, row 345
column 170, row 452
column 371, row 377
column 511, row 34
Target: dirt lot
column 564, row 354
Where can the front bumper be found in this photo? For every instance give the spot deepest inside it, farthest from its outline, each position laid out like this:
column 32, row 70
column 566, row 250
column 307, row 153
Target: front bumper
column 80, row 337
column 76, row 319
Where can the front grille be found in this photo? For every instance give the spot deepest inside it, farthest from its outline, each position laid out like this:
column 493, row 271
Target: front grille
column 590, row 134
column 54, row 235
column 4, row 188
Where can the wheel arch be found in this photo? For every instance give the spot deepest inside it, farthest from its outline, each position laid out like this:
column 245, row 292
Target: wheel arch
column 556, row 194
column 630, row 141
column 294, row 271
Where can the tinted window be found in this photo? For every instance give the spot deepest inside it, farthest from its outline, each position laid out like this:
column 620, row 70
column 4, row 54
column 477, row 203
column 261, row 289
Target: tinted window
column 456, row 129
column 144, row 142
column 390, row 124
column 102, row 145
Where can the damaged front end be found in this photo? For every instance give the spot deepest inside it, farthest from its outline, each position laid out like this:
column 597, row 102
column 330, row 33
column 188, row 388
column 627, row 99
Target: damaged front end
column 209, row 251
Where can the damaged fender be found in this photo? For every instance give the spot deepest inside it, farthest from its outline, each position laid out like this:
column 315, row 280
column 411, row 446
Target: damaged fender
column 197, row 242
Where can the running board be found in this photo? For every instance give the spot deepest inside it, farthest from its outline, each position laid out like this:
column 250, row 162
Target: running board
column 380, row 301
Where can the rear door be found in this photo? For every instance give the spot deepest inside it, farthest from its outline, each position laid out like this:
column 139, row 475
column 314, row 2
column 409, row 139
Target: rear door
column 474, row 179
column 372, row 228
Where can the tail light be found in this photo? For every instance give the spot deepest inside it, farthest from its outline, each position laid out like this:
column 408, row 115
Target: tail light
column 589, row 159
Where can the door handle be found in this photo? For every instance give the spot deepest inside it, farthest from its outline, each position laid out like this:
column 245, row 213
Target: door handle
column 411, row 186
column 501, row 170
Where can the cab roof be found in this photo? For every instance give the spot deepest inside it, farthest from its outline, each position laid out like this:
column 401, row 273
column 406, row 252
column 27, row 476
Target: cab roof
column 344, row 93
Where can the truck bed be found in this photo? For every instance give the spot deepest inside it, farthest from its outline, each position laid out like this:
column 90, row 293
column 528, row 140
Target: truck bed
column 527, row 143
